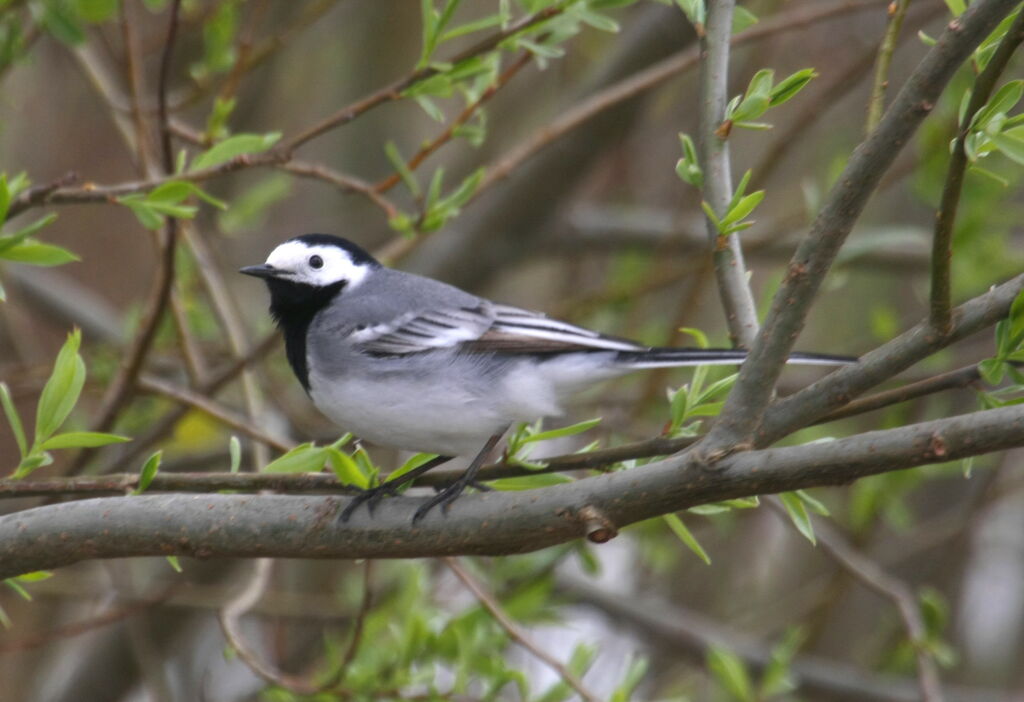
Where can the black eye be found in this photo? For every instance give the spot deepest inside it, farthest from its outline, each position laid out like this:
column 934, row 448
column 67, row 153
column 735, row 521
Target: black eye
column 316, row 262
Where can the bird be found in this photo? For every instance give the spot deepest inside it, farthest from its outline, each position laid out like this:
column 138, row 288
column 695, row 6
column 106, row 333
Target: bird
column 413, row 363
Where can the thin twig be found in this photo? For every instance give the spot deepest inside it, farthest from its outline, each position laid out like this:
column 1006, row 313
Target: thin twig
column 515, row 632
column 727, row 253
column 111, row 616
column 960, row 378
column 394, row 90
column 654, row 75
column 222, row 414
column 340, row 180
column 385, row 184
column 874, row 577
column 160, row 427
column 876, row 106
column 229, row 315
column 124, row 381
column 942, row 243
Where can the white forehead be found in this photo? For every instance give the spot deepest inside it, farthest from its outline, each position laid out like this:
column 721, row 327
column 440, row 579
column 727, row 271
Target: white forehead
column 293, row 258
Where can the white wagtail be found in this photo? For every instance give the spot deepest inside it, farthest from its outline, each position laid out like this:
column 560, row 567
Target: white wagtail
column 413, row 363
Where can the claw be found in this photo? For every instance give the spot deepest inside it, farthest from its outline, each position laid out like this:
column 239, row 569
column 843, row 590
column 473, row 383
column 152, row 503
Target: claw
column 373, row 496
column 445, row 498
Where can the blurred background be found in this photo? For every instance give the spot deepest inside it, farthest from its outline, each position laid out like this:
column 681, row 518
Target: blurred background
column 594, row 226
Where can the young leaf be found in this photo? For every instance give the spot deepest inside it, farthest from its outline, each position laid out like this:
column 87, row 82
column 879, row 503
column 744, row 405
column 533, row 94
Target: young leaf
column 304, row 458
column 529, row 482
column 235, row 452
column 232, row 147
column 731, row 673
column 789, row 86
column 148, row 472
column 798, row 513
column 37, row 253
column 684, row 534
column 13, row 419
column 60, row 394
column 346, row 469
column 82, row 439
column 571, row 430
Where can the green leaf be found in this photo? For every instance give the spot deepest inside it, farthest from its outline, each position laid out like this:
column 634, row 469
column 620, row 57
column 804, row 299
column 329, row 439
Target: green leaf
column 407, row 176
column 60, row 394
column 530, row 482
column 798, row 513
column 232, row 147
column 148, row 472
column 35, row 576
column 789, row 86
column 731, row 674
column 570, row 430
column 97, row 11
column 30, row 462
column 235, row 452
column 346, row 469
column 14, row 419
column 82, row 439
column 175, row 563
column 304, row 458
column 5, row 198
column 60, row 19
column 635, row 671
column 16, row 586
column 175, row 191
column 743, row 208
column 1011, row 144
column 475, row 26
column 957, row 7
column 812, row 503
column 145, row 213
column 37, row 253
column 742, row 18
column 11, row 240
column 684, row 534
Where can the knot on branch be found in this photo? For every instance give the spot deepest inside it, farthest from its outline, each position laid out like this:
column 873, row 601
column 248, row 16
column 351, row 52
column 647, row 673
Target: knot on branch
column 596, row 525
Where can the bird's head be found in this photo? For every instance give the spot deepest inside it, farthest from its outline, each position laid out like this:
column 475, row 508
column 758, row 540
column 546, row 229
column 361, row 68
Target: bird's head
column 307, row 272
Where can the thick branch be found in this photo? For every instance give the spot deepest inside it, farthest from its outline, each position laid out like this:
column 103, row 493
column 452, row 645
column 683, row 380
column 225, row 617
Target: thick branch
column 748, row 400
column 491, row 523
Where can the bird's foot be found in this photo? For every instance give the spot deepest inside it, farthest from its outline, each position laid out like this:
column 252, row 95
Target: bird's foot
column 370, row 496
column 446, row 496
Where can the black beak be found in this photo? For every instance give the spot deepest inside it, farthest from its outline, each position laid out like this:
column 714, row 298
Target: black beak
column 261, row 271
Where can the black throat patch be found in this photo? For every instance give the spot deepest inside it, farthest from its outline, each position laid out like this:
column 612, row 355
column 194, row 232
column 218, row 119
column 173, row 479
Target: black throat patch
column 293, row 306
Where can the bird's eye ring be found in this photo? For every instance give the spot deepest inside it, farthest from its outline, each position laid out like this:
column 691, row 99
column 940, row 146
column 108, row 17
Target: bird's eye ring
column 316, row 262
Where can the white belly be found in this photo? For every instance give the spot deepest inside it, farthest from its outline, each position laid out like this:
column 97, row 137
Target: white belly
column 412, row 416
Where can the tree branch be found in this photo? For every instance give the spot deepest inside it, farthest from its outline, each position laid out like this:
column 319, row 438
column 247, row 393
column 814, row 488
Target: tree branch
column 727, row 254
column 871, row 575
column 394, row 90
column 654, row 75
column 491, row 523
column 746, row 404
column 839, row 387
column 945, row 219
column 515, row 632
column 876, row 105
column 123, row 383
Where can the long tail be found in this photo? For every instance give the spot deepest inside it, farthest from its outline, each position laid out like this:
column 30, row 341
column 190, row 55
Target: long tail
column 669, row 357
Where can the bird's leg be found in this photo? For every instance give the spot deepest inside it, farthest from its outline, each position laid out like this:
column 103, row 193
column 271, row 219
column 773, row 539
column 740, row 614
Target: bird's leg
column 451, row 492
column 389, row 487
